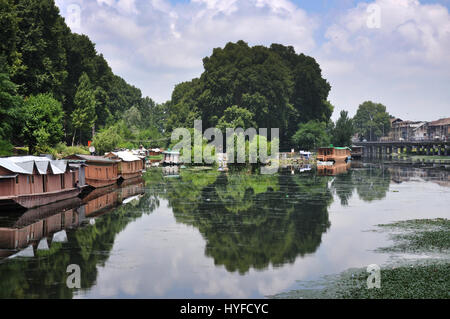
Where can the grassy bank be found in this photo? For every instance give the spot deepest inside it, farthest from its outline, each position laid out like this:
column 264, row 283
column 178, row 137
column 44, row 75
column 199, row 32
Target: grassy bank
column 423, row 278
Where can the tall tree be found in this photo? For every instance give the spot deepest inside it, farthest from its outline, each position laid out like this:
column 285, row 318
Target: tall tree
column 371, row 121
column 278, row 86
column 84, row 116
column 343, row 130
column 10, row 103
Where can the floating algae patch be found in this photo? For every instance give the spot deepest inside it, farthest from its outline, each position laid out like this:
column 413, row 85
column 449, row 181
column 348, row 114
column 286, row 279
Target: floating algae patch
column 420, row 280
column 419, row 236
column 405, row 278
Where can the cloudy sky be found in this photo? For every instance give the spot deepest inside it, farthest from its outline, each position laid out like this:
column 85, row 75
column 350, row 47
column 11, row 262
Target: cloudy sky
column 396, row 52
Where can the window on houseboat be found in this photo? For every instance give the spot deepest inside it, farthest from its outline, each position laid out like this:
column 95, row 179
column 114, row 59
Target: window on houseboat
column 17, row 179
column 62, row 182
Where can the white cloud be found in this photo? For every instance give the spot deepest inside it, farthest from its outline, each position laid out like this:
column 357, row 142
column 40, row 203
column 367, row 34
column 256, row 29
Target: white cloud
column 404, row 63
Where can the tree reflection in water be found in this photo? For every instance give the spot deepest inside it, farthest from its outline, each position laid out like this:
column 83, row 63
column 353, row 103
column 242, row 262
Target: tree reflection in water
column 248, row 221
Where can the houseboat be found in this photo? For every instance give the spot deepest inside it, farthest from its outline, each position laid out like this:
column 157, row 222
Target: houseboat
column 31, row 181
column 100, row 171
column 332, row 170
column 357, row 152
column 171, row 157
column 333, row 154
column 130, row 166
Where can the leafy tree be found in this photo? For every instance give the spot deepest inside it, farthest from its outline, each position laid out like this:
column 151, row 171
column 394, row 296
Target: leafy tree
column 371, row 121
column 10, row 103
column 42, row 122
column 311, row 135
column 343, row 130
column 84, row 116
column 107, row 140
column 235, row 117
column 278, row 86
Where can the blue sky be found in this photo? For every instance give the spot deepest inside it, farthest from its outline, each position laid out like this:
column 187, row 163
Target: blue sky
column 390, row 51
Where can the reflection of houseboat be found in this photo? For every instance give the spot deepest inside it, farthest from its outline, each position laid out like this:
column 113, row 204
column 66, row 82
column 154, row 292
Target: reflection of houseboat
column 171, row 157
column 171, row 171
column 100, row 171
column 130, row 166
column 40, row 227
column 32, row 181
column 332, row 170
column 333, row 154
column 28, row 230
column 357, row 151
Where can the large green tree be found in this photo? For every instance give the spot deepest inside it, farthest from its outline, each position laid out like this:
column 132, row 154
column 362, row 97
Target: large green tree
column 311, row 135
column 371, row 121
column 42, row 122
column 343, row 130
column 278, row 86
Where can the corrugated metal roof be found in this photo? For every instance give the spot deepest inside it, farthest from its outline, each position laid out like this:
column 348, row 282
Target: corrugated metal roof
column 444, row 121
column 27, row 166
column 42, row 167
column 11, row 166
column 126, row 156
column 93, row 158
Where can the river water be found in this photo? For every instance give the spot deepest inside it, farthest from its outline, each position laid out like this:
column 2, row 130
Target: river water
column 194, row 233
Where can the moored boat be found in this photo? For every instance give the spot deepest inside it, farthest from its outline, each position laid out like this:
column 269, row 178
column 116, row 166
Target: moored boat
column 31, row 181
column 333, row 154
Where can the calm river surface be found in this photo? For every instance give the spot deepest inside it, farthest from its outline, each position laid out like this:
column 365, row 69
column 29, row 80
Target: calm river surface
column 208, row 234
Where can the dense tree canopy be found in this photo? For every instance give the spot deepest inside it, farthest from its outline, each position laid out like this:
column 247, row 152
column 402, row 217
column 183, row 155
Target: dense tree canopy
column 279, row 88
column 371, row 121
column 311, row 135
column 39, row 54
column 343, row 130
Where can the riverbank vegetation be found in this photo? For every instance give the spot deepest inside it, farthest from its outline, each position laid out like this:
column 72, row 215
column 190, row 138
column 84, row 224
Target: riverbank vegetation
column 56, row 88
column 412, row 279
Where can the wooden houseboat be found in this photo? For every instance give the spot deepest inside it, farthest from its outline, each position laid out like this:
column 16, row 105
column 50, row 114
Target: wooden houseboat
column 31, row 181
column 130, row 166
column 332, row 170
column 100, row 171
column 333, row 154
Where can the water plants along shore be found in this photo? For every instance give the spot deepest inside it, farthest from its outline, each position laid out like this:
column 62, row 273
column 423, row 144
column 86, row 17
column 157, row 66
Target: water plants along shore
column 427, row 277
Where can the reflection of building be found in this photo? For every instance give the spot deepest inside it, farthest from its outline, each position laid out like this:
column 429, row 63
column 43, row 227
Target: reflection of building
column 332, row 170
column 171, row 171
column 31, row 181
column 401, row 174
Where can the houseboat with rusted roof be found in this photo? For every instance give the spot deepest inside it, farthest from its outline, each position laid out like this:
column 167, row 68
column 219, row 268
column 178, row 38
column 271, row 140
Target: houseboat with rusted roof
column 333, row 154
column 100, row 171
column 31, row 181
column 130, row 165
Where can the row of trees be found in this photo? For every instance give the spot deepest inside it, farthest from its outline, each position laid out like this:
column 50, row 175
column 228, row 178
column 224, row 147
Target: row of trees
column 370, row 123
column 55, row 87
column 266, row 87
